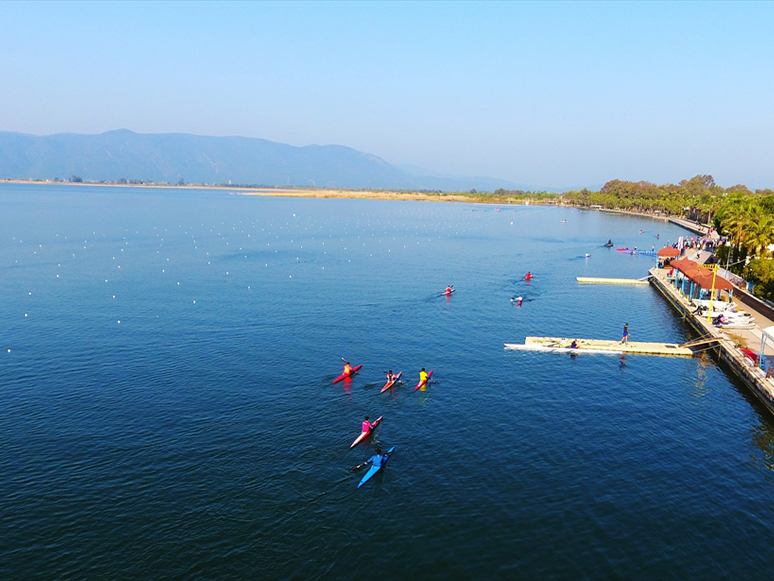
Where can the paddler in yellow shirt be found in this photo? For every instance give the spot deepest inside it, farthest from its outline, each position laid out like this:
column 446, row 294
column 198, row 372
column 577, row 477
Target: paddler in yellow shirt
column 423, row 376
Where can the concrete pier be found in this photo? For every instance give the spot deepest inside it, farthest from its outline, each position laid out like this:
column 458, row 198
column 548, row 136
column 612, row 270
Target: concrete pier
column 725, row 347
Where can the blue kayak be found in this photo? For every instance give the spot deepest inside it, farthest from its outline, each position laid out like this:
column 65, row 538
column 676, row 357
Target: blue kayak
column 373, row 469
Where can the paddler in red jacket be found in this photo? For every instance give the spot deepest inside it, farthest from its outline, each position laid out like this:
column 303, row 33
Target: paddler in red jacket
column 529, row 276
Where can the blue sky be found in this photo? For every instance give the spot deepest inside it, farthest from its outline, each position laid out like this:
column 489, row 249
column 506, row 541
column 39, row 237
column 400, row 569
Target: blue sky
column 551, row 94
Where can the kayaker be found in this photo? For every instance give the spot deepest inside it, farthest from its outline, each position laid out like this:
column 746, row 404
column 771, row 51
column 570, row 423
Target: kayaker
column 367, row 425
column 377, row 459
column 423, row 375
column 528, row 276
column 448, row 290
column 390, row 376
column 347, row 368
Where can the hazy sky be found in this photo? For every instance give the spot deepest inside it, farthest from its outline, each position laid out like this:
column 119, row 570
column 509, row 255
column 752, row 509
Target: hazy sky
column 549, row 94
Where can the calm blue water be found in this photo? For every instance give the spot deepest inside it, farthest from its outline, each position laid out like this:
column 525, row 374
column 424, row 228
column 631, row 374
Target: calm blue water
column 167, row 412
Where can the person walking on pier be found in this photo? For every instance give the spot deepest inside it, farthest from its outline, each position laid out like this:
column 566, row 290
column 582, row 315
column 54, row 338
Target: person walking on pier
column 625, row 338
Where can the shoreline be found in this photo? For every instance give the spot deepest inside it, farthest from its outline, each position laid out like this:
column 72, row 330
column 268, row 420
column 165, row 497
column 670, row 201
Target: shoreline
column 268, row 191
column 699, row 229
column 336, row 193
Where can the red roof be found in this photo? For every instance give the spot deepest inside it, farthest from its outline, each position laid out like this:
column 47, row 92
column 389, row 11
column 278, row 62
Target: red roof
column 704, row 278
column 668, row 252
column 684, row 265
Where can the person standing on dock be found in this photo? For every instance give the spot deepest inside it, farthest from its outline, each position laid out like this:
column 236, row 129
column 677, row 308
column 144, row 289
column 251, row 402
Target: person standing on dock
column 625, row 338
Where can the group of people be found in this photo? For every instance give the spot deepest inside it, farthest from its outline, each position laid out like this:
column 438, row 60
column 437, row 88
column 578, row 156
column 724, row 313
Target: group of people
column 378, row 459
column 349, row 370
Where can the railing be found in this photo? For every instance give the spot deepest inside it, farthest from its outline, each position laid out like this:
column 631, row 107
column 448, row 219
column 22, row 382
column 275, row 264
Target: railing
column 733, row 278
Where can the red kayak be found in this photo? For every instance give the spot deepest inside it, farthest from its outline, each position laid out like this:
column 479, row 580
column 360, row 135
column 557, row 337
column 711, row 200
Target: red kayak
column 389, row 384
column 364, row 435
column 422, row 383
column 355, row 369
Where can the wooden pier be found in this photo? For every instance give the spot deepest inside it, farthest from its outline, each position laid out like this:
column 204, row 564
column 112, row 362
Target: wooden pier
column 593, row 280
column 564, row 345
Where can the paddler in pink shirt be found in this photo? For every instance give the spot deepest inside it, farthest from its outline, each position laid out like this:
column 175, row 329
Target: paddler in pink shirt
column 367, row 425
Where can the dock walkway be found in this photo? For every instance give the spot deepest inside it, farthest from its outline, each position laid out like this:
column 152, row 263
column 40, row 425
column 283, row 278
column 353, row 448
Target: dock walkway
column 562, row 344
column 598, row 280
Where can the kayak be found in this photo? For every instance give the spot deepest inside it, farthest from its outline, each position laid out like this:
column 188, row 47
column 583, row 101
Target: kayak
column 389, row 384
column 447, row 293
column 355, row 369
column 423, row 383
column 373, row 469
column 364, row 435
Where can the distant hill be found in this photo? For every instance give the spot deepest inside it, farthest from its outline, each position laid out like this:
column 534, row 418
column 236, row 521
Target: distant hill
column 170, row 157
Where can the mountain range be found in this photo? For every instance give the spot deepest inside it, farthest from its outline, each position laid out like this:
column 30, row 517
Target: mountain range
column 172, row 157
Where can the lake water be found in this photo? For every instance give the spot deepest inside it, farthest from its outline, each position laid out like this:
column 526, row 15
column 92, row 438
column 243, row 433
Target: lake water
column 167, row 412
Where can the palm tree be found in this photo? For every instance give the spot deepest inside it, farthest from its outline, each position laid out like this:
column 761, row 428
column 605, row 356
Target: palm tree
column 759, row 234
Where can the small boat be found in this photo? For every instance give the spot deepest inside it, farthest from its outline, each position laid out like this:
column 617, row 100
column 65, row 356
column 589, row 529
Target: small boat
column 364, row 435
column 355, row 369
column 389, row 384
column 733, row 320
column 374, row 469
column 609, row 244
column 424, row 382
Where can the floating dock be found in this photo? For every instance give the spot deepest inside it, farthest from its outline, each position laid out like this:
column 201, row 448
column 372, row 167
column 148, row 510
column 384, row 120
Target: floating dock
column 562, row 345
column 592, row 280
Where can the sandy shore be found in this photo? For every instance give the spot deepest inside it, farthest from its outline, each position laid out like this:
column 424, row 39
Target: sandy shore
column 362, row 194
column 480, row 198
